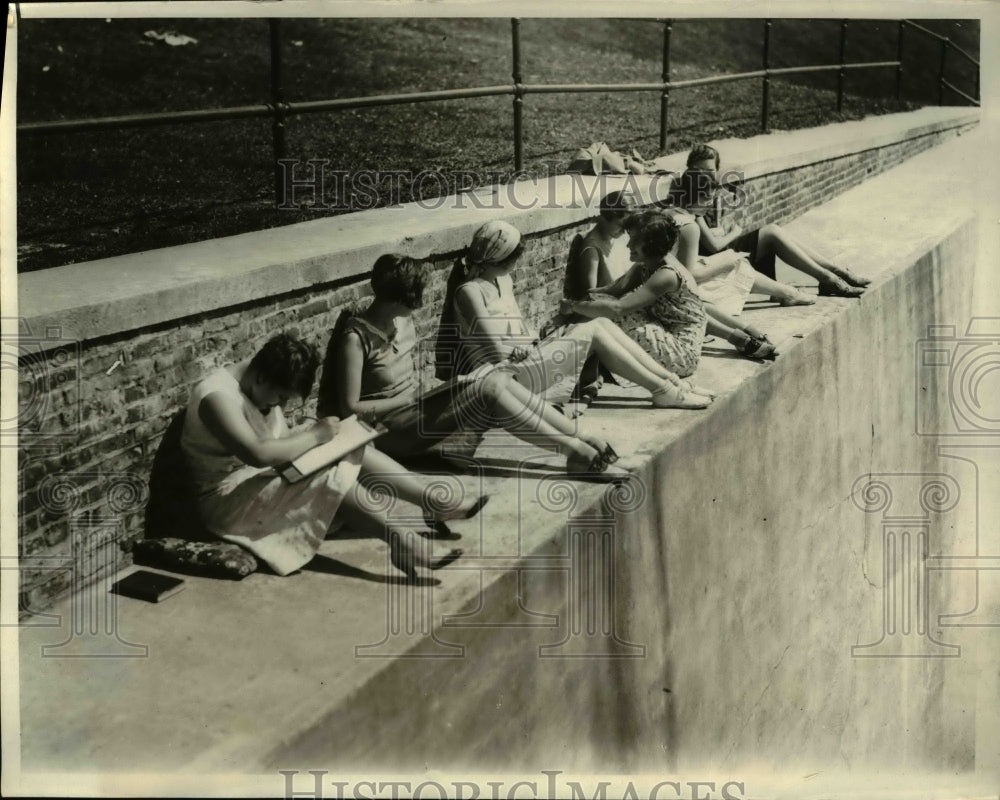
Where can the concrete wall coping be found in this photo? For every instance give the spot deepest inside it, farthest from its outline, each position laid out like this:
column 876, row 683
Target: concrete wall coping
column 111, row 296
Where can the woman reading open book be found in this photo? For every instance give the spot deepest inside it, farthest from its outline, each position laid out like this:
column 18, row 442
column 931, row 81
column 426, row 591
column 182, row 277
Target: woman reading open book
column 234, row 436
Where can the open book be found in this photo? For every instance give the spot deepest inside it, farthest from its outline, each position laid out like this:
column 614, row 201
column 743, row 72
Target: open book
column 352, row 434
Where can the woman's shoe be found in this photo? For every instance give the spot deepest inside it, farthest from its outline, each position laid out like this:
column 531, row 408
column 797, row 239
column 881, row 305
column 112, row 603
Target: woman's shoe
column 756, row 333
column 586, row 465
column 795, row 298
column 846, row 275
column 437, row 529
column 458, row 513
column 755, row 348
column 671, row 396
column 839, row 288
column 406, row 559
column 606, row 451
column 686, row 386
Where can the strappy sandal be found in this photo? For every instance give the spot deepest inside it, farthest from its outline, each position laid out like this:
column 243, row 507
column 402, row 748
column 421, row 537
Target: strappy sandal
column 839, row 288
column 795, row 298
column 671, row 396
column 406, row 559
column 755, row 348
column 581, row 465
column 606, row 451
column 849, row 277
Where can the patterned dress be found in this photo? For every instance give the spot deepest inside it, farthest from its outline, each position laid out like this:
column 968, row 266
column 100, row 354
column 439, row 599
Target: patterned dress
column 671, row 330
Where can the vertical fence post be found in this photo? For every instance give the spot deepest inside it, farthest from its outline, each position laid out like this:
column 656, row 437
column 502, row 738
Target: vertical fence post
column 515, row 35
column 899, row 59
column 944, row 56
column 277, row 108
column 840, row 74
column 665, row 96
column 766, row 97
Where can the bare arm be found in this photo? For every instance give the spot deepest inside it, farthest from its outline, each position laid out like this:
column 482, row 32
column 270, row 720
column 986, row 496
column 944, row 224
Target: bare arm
column 687, row 244
column 626, row 283
column 588, row 269
column 349, row 361
column 708, row 267
column 660, row 282
column 715, row 242
column 223, row 416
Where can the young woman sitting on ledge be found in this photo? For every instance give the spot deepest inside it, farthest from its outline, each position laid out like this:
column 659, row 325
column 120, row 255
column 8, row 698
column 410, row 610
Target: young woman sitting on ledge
column 719, row 281
column 656, row 302
column 491, row 330
column 697, row 193
column 234, row 435
column 369, row 370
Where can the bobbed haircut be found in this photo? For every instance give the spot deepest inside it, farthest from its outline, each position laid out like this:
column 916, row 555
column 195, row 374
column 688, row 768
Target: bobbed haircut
column 694, row 188
column 703, row 152
column 615, row 205
column 656, row 232
column 287, row 363
column 399, row 279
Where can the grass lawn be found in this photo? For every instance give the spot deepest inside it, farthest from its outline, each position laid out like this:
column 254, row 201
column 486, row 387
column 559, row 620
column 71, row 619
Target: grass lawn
column 91, row 195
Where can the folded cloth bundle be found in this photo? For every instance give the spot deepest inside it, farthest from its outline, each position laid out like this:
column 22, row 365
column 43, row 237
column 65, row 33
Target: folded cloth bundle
column 599, row 159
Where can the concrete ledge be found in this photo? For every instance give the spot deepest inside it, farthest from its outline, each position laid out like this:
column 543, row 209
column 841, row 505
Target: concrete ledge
column 102, row 298
column 715, row 655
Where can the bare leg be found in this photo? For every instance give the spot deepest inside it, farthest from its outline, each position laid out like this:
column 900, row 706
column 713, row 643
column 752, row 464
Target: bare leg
column 747, row 339
column 619, row 353
column 414, row 487
column 405, row 551
column 840, row 272
column 529, row 417
column 774, row 240
column 783, row 293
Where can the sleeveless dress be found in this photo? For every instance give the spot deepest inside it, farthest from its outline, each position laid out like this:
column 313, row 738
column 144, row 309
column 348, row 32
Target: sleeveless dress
column 727, row 291
column 447, row 419
column 671, row 330
column 553, row 367
column 281, row 523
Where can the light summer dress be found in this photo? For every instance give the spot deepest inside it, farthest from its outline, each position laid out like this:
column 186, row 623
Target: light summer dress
column 281, row 523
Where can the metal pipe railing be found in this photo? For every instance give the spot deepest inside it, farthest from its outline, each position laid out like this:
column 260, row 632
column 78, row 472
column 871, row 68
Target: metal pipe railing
column 939, row 37
column 665, row 94
column 765, row 101
column 279, row 109
column 959, row 92
column 841, row 72
column 515, row 37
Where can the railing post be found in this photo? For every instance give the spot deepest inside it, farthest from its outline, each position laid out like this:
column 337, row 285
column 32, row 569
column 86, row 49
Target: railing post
column 515, row 35
column 944, row 55
column 278, row 108
column 665, row 96
column 766, row 98
column 899, row 59
column 840, row 74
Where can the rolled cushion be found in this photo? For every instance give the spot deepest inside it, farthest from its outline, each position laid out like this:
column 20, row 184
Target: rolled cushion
column 213, row 559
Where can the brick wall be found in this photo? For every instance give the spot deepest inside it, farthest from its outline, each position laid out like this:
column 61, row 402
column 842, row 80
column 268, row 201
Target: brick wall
column 93, row 412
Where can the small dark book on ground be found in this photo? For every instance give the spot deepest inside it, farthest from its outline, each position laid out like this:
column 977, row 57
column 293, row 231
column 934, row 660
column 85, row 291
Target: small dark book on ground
column 149, row 586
